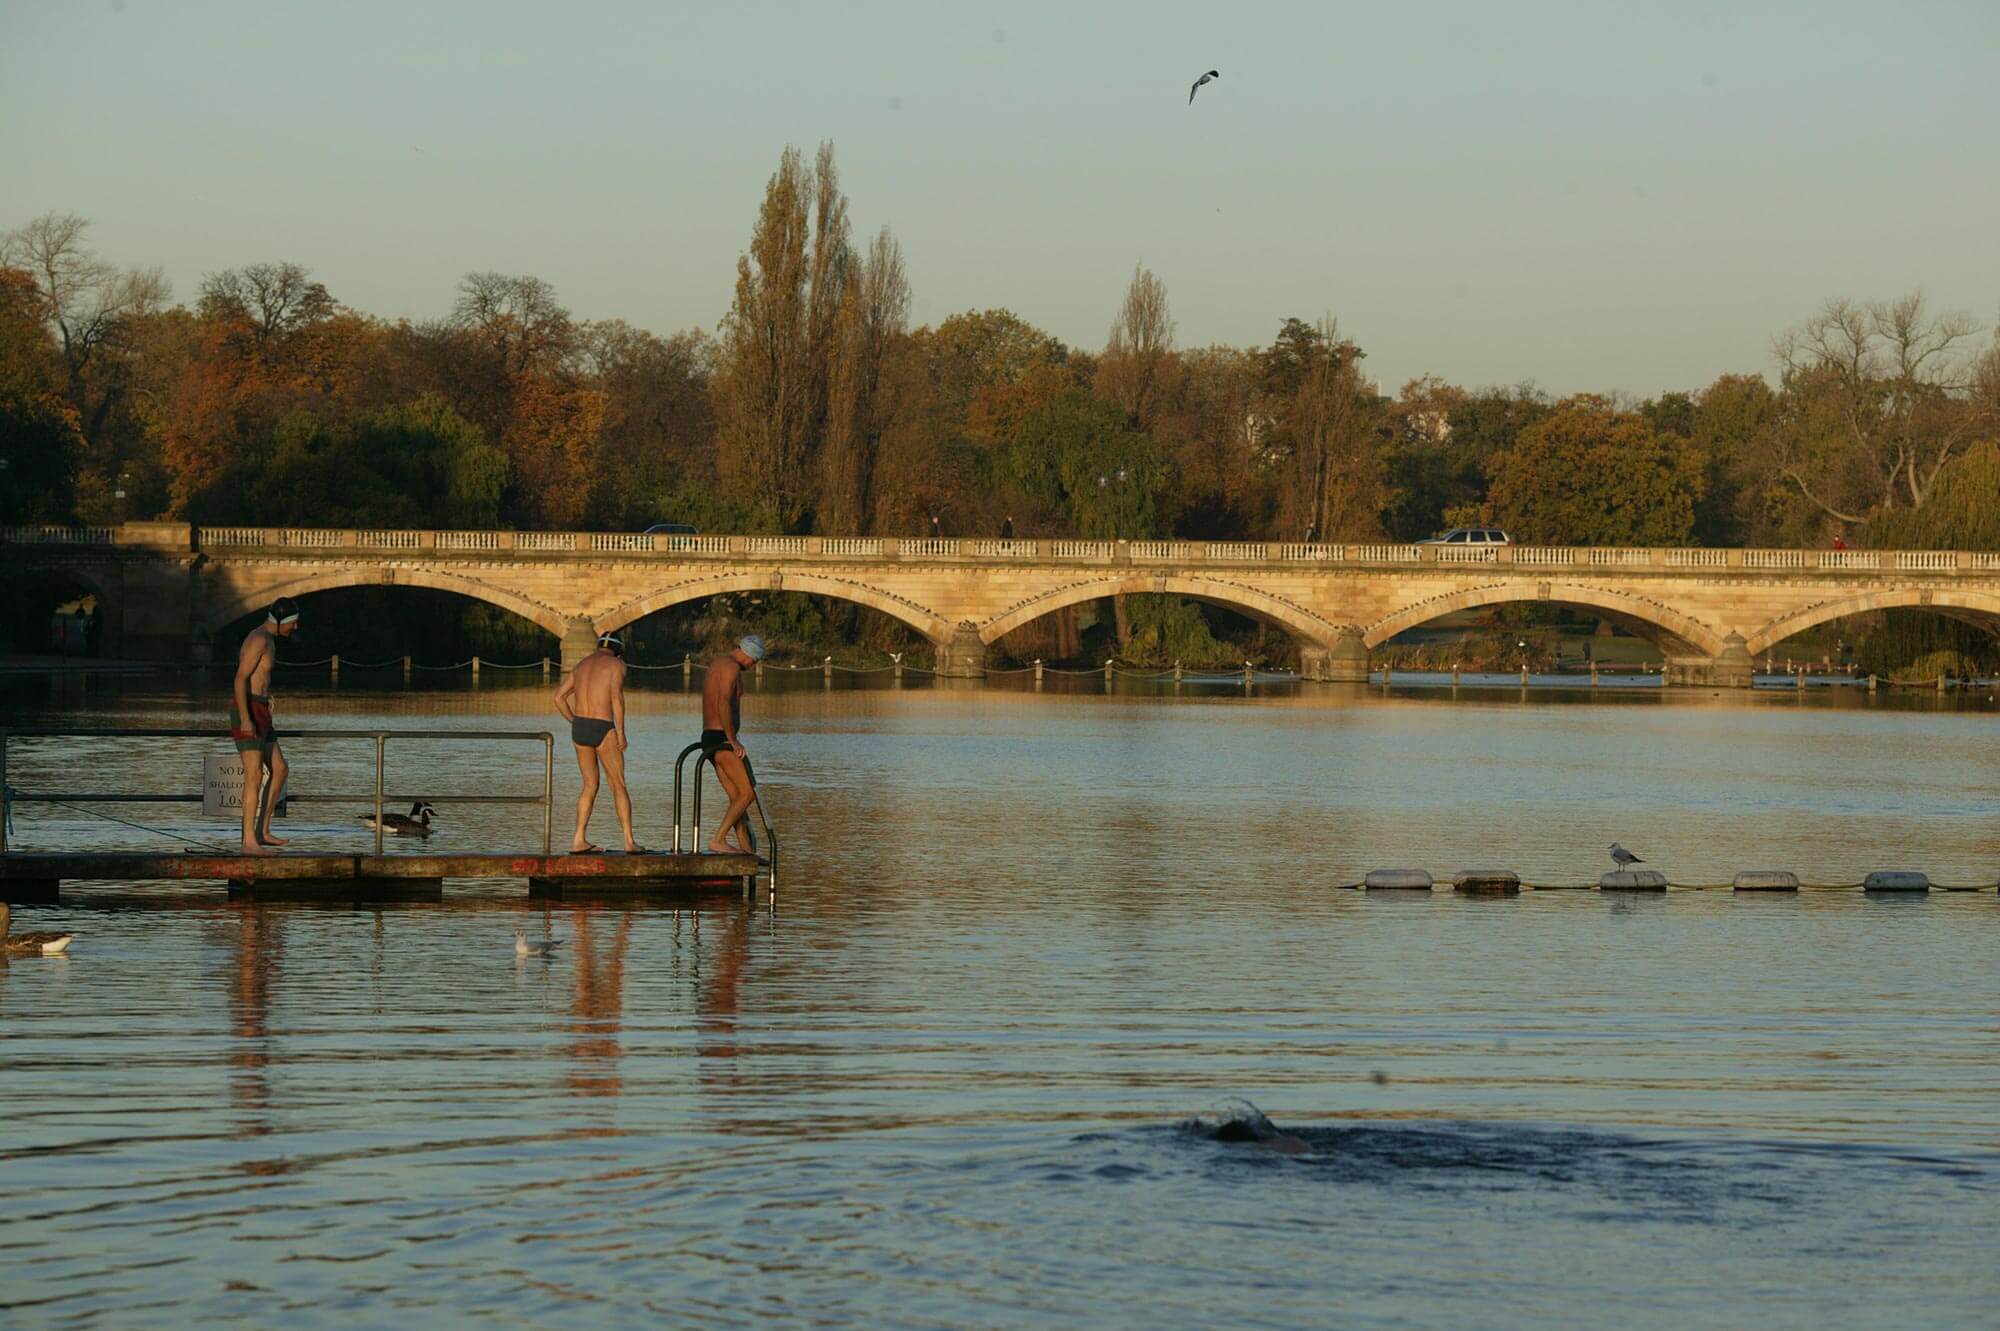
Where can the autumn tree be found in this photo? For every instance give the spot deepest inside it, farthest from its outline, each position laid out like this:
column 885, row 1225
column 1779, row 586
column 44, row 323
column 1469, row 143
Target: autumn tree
column 273, row 301
column 862, row 399
column 1322, row 433
column 40, row 442
column 1589, row 474
column 521, row 383
column 88, row 302
column 1428, row 467
column 1138, row 355
column 1732, row 429
column 1220, row 489
column 774, row 375
column 1876, row 405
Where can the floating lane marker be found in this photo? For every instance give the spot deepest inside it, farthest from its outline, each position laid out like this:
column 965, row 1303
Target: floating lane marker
column 1896, row 880
column 1407, row 880
column 1767, row 880
column 1633, row 880
column 1487, row 882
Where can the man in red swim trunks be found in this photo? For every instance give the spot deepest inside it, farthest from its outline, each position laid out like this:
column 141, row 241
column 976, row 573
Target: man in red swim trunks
column 251, row 727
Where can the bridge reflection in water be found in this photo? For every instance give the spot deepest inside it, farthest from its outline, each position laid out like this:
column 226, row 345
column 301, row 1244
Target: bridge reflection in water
column 165, row 589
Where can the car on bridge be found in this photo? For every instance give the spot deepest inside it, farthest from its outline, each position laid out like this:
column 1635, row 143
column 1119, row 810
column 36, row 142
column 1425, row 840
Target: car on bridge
column 1471, row 536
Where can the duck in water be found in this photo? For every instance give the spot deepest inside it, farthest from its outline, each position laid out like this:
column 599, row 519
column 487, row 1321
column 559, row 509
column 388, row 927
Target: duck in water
column 44, row 944
column 417, row 822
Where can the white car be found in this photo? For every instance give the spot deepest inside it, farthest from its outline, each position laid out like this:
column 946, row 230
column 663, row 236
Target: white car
column 1463, row 536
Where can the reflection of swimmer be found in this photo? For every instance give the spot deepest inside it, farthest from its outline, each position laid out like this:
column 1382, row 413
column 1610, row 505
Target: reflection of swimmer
column 598, row 1010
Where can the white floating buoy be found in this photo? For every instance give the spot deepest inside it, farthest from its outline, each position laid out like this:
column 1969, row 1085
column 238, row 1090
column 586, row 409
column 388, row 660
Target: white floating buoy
column 1404, row 879
column 1767, row 880
column 1633, row 880
column 1896, row 880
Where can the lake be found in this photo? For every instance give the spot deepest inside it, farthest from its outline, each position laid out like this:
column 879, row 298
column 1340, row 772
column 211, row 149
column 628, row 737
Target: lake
column 1032, row 949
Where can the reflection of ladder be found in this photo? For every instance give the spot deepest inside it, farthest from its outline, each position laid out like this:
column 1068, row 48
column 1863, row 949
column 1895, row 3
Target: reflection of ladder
column 769, row 861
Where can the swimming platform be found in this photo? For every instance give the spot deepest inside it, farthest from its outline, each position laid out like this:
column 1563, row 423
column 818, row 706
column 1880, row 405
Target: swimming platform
column 37, row 877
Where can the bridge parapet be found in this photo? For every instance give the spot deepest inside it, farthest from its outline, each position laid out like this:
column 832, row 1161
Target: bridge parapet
column 153, row 536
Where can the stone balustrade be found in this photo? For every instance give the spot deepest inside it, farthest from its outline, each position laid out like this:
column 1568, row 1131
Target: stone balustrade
column 1046, row 550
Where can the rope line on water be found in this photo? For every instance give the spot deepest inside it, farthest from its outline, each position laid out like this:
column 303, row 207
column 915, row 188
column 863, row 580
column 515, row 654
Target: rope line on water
column 1804, row 885
column 109, row 818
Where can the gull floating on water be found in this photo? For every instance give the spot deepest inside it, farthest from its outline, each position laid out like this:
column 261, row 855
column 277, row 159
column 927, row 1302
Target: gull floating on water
column 525, row 946
column 1623, row 857
column 44, row 944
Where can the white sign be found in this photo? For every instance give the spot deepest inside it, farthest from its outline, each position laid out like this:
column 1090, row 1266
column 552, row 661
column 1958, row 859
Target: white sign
column 222, row 788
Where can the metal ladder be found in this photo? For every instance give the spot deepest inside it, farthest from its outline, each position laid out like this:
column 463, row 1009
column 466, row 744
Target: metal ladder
column 769, row 862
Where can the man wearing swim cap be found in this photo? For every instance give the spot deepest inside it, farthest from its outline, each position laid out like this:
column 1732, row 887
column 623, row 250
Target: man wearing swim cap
column 721, row 713
column 251, row 726
column 592, row 700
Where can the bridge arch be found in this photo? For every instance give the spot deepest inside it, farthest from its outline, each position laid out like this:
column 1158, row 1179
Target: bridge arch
column 225, row 606
column 1240, row 597
column 53, row 581
column 918, row 617
column 1973, row 607
column 1676, row 633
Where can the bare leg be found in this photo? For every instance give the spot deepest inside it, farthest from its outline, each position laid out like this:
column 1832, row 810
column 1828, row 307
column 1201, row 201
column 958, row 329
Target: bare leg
column 253, row 782
column 586, row 763
column 272, row 789
column 614, row 772
column 729, row 771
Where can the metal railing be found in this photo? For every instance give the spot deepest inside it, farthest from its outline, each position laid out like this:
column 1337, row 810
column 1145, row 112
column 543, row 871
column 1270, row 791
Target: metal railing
column 756, row 801
column 378, row 796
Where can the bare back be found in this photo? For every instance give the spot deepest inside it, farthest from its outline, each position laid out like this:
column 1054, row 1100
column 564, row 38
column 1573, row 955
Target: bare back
column 722, row 695
column 596, row 684
column 256, row 657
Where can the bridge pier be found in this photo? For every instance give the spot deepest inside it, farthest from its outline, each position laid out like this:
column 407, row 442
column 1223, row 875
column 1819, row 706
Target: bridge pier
column 1344, row 662
column 963, row 655
column 1731, row 668
column 579, row 640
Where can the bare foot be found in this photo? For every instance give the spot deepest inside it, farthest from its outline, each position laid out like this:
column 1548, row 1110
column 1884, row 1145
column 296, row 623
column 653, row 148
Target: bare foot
column 586, row 849
column 270, row 840
column 722, row 848
column 634, row 848
column 254, row 848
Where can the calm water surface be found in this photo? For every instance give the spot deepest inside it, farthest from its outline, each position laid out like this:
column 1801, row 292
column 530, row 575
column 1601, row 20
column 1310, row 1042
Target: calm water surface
column 1028, row 947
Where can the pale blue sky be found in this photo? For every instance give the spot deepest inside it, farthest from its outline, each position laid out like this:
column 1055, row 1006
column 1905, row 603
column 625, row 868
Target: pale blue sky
column 1589, row 195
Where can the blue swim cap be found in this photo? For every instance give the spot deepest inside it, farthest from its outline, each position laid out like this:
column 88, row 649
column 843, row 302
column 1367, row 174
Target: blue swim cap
column 752, row 646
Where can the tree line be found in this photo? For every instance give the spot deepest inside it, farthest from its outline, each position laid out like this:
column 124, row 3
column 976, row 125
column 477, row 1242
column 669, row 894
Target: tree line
column 813, row 406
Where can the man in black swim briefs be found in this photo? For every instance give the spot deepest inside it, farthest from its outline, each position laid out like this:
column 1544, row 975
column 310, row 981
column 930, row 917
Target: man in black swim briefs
column 721, row 714
column 592, row 700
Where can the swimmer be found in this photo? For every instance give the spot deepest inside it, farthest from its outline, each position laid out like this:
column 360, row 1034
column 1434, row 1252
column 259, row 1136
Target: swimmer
column 251, row 726
column 721, row 714
column 592, row 700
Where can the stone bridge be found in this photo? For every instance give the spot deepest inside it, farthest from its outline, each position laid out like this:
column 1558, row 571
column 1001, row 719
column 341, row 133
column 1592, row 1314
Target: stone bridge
column 167, row 588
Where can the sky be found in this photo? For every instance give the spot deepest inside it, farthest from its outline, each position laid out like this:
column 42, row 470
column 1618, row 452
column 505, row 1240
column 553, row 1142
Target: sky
column 1595, row 196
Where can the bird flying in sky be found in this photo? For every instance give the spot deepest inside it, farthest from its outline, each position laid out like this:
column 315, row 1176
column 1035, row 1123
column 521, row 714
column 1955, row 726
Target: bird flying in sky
column 1212, row 74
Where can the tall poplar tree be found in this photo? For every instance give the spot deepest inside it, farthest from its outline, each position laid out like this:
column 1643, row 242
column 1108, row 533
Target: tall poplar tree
column 773, row 383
